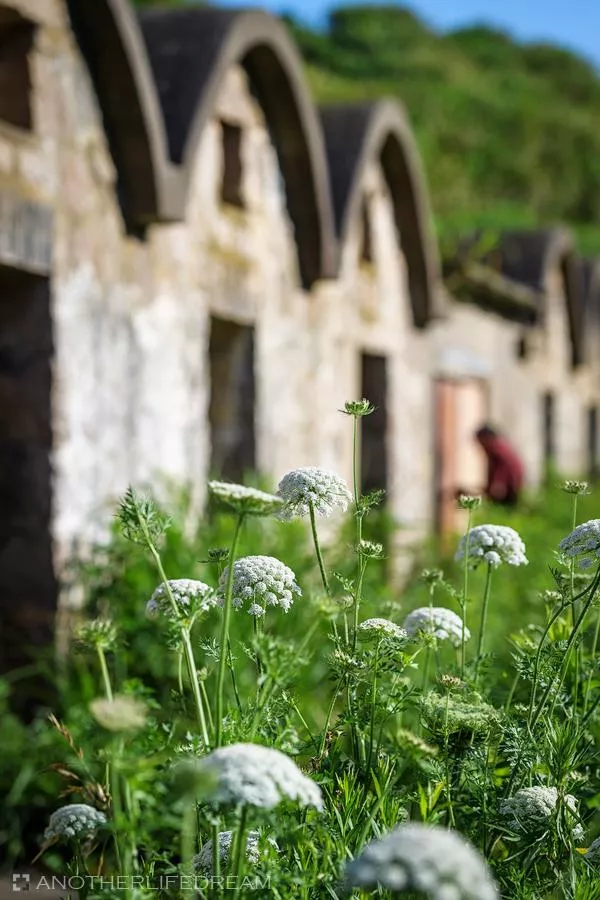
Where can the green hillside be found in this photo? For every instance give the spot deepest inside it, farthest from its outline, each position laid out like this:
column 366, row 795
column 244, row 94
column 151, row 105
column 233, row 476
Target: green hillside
column 509, row 132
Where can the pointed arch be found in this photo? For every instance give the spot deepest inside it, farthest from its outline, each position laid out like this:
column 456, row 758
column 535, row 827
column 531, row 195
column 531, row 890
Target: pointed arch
column 354, row 136
column 190, row 51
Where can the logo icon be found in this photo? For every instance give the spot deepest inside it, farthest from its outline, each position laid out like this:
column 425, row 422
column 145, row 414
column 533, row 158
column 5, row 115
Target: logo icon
column 20, row 882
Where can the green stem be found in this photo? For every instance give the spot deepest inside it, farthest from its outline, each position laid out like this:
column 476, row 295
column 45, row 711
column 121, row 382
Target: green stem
column 358, row 514
column 447, row 755
column 191, row 664
column 185, row 637
column 373, row 699
column 240, row 846
column 572, row 638
column 593, row 663
column 188, row 836
column 313, row 525
column 233, row 678
column 484, row 612
column 465, row 595
column 105, row 673
column 216, row 858
column 328, row 719
column 225, row 633
column 578, row 654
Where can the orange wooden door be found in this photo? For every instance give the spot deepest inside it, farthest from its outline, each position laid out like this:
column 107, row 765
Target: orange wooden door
column 460, row 408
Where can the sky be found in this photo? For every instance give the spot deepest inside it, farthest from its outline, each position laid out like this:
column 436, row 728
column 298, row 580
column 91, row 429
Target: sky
column 571, row 23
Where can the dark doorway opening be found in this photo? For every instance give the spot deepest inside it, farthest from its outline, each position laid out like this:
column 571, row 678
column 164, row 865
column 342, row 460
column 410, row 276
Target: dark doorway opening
column 232, row 398
column 231, row 183
column 549, row 416
column 374, row 457
column 28, row 587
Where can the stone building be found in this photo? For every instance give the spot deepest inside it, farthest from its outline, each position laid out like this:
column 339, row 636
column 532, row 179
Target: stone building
column 198, row 267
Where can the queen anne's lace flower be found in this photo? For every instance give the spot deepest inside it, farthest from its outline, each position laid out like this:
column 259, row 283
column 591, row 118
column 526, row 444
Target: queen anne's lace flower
column 242, row 499
column 257, row 776
column 583, row 544
column 493, row 544
column 426, row 859
column 438, row 621
column 121, row 713
column 74, row 821
column 190, row 596
column 530, row 810
column 383, row 628
column 303, row 487
column 203, row 861
column 445, row 715
column 260, row 581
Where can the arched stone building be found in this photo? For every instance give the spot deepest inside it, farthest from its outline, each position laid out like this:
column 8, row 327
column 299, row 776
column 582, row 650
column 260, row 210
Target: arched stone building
column 198, row 267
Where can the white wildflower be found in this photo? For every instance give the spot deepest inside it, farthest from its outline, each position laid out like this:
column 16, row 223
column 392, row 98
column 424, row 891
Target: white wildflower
column 203, row 861
column 438, row 621
column 257, row 776
column 383, row 628
column 530, row 811
column 190, row 596
column 493, row 544
column 583, row 543
column 303, row 487
column 121, row 713
column 260, row 581
column 74, row 821
column 242, row 499
column 426, row 859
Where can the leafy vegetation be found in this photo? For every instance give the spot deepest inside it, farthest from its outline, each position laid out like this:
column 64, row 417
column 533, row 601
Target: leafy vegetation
column 493, row 735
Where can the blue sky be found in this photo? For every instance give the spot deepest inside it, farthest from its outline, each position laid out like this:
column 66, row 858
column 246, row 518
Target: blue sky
column 572, row 23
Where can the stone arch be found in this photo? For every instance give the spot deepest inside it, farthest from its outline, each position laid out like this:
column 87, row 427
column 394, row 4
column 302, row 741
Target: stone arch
column 355, row 135
column 109, row 38
column 190, row 52
column 529, row 256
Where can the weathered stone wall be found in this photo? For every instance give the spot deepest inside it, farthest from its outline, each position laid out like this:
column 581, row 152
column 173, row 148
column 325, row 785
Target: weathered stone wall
column 131, row 385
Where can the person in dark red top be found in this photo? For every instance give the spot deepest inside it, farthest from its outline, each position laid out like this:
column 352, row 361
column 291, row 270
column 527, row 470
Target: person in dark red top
column 505, row 469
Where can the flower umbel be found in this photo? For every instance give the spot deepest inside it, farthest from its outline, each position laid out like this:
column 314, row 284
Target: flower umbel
column 119, row 714
column 260, row 581
column 192, row 597
column 302, row 488
column 382, row 628
column 100, row 633
column 493, row 544
column 77, row 820
column 529, row 812
column 438, row 621
column 426, row 859
column 358, row 408
column 242, row 499
column 576, row 487
column 583, row 544
column 203, row 861
column 254, row 775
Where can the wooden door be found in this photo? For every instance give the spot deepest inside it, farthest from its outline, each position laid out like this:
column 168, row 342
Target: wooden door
column 460, row 409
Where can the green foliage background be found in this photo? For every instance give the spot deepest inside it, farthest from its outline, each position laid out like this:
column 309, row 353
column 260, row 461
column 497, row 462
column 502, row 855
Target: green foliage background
column 509, row 132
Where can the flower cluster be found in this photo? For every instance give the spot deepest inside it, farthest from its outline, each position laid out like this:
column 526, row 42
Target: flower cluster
column 530, row 810
column 312, row 487
column 247, row 500
column 74, row 821
column 121, row 713
column 260, row 581
column 254, row 775
column 100, row 633
column 583, row 543
column 383, row 628
column 426, row 859
column 445, row 715
column 438, row 621
column 493, row 544
column 203, row 861
column 191, row 597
